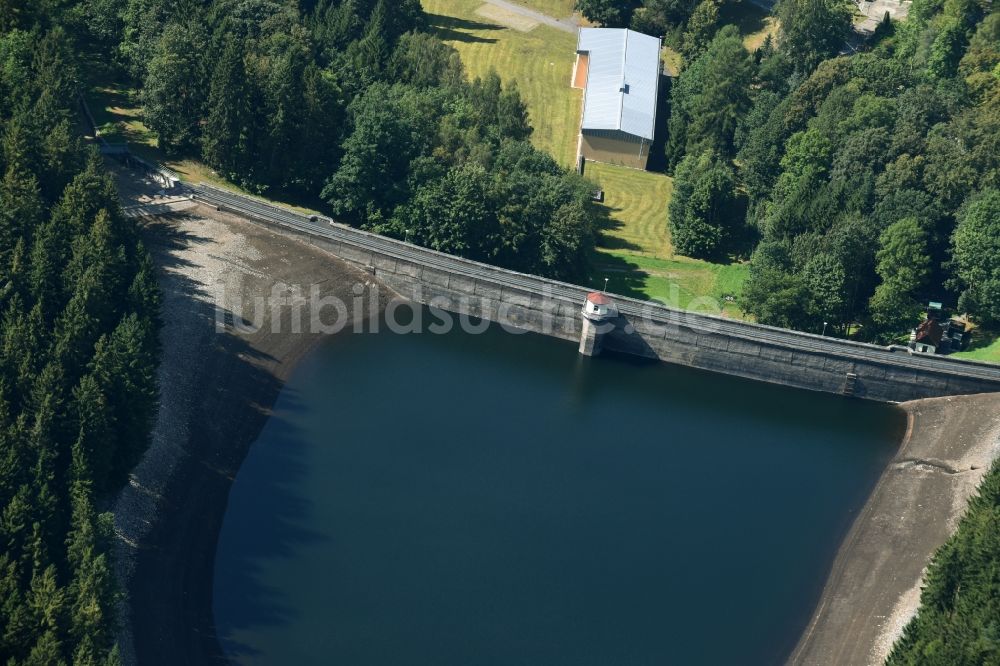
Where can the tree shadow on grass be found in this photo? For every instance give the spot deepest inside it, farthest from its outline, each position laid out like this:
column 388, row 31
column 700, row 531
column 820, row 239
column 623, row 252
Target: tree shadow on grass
column 606, row 224
column 746, row 16
column 657, row 161
column 624, row 277
column 451, row 28
column 981, row 339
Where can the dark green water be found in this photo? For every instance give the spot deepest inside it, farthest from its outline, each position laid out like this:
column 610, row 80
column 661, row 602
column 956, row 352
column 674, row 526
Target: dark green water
column 496, row 499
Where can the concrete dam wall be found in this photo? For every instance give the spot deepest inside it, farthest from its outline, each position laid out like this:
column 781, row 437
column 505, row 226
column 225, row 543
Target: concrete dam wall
column 643, row 329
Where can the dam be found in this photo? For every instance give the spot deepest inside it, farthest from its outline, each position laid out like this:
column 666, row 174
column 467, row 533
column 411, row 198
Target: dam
column 640, row 328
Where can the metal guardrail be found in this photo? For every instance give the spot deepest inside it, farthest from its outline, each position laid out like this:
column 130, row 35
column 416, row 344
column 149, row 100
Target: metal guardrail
column 783, row 338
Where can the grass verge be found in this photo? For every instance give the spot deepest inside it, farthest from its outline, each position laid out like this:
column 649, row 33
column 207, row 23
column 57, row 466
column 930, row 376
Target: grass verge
column 753, row 22
column 985, row 347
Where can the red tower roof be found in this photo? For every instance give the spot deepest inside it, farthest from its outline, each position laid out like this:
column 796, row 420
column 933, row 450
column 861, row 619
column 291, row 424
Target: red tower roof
column 597, row 298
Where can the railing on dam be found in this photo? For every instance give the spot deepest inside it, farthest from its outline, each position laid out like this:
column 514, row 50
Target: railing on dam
column 700, row 340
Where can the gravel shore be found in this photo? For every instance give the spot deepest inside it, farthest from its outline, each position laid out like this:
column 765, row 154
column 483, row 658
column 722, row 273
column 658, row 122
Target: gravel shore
column 874, row 585
column 218, row 379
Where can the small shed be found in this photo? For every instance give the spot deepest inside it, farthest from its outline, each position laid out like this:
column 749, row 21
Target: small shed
column 599, row 307
column 926, row 338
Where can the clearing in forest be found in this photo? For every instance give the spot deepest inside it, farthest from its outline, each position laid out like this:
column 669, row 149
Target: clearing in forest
column 635, row 254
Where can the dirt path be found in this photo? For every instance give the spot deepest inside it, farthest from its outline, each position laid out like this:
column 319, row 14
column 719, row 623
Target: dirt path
column 874, row 585
column 568, row 24
column 217, row 387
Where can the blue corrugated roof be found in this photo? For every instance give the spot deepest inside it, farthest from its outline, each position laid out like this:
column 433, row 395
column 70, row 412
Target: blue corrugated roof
column 622, row 80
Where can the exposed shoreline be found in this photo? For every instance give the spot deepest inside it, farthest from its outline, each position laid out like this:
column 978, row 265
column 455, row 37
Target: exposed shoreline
column 873, row 588
column 217, row 389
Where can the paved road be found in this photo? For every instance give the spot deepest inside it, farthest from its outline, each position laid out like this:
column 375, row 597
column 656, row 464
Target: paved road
column 568, row 24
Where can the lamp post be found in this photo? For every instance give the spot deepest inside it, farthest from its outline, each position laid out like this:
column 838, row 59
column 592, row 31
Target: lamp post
column 605, row 284
column 824, row 327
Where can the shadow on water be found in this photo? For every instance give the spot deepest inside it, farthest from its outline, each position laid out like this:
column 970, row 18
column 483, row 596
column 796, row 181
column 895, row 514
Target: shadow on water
column 272, row 526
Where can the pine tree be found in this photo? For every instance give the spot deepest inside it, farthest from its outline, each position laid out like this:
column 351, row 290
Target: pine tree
column 47, row 651
column 175, row 85
column 124, row 369
column 47, row 600
column 227, row 132
column 144, row 293
column 48, row 256
column 95, row 447
column 286, row 119
column 15, row 620
column 372, row 52
column 20, row 210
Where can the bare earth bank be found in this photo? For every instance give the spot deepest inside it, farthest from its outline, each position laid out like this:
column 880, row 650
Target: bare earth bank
column 874, row 585
column 217, row 387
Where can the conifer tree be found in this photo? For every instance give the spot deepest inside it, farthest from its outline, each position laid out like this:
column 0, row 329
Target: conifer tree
column 227, row 134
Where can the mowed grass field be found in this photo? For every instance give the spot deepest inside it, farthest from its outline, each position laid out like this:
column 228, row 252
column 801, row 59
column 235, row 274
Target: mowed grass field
column 985, row 347
column 635, row 254
column 556, row 8
column 636, row 204
column 540, row 60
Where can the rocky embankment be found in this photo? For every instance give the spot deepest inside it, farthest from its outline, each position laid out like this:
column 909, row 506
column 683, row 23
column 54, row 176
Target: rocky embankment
column 874, row 585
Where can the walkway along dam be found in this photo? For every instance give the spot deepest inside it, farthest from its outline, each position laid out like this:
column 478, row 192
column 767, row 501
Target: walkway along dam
column 641, row 328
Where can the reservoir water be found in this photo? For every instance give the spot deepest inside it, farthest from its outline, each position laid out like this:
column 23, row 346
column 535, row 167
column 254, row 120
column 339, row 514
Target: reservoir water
column 459, row 499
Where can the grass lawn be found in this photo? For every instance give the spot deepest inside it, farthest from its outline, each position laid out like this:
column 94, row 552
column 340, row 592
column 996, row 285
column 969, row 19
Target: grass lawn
column 540, row 60
column 635, row 254
column 636, row 203
column 681, row 282
column 985, row 347
column 754, row 23
column 118, row 116
column 555, row 8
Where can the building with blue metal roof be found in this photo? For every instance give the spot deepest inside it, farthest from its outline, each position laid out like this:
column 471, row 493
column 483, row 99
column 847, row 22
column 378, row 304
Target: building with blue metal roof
column 619, row 71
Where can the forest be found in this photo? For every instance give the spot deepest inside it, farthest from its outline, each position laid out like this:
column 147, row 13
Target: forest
column 354, row 103
column 858, row 186
column 78, row 333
